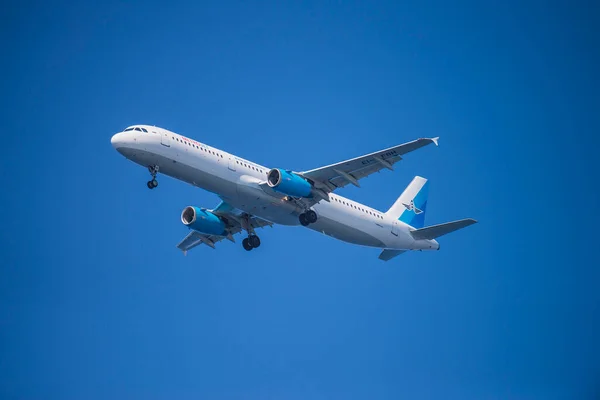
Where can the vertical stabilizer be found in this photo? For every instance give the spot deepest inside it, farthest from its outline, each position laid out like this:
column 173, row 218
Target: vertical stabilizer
column 411, row 205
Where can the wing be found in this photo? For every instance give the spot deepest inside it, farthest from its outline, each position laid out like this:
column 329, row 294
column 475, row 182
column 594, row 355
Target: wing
column 351, row 171
column 195, row 238
column 235, row 221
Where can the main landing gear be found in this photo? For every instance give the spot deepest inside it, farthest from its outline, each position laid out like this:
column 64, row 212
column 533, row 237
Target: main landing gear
column 153, row 169
column 251, row 242
column 307, row 218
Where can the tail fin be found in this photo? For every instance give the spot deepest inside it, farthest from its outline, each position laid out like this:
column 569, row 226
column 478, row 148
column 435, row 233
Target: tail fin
column 412, row 203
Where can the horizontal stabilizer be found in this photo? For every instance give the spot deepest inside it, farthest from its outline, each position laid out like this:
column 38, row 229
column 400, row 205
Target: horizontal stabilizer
column 387, row 255
column 435, row 231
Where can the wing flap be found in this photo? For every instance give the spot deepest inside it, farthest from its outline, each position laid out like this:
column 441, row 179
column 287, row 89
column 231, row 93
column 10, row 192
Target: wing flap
column 195, row 238
column 358, row 174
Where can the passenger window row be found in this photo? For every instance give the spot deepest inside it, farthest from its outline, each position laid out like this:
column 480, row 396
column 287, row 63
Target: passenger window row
column 197, row 147
column 216, row 154
column 250, row 166
column 347, row 203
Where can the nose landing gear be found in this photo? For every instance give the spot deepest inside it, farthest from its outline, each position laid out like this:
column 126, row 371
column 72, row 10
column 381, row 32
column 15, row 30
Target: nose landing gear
column 153, row 169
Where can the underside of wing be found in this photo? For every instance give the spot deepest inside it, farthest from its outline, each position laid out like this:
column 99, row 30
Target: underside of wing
column 235, row 221
column 195, row 238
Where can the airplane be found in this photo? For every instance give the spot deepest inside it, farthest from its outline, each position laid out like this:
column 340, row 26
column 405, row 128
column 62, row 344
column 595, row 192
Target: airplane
column 254, row 196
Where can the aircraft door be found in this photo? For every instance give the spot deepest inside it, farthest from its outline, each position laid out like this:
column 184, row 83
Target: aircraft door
column 165, row 139
column 231, row 163
column 395, row 228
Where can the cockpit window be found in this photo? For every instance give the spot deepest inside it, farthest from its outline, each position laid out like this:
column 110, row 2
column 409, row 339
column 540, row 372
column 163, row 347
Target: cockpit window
column 136, row 128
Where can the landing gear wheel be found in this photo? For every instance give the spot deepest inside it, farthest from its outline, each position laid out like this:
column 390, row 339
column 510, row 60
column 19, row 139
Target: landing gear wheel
column 311, row 216
column 254, row 241
column 246, row 244
column 303, row 220
column 153, row 169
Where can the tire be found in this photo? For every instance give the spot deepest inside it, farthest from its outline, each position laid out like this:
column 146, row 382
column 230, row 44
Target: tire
column 303, row 220
column 154, row 183
column 254, row 241
column 246, row 244
column 150, row 185
column 311, row 216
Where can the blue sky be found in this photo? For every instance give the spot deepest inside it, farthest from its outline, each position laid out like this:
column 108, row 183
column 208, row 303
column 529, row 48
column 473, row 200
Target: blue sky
column 96, row 302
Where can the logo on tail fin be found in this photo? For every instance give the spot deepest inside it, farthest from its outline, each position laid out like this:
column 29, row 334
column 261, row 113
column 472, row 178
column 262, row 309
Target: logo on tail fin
column 411, row 207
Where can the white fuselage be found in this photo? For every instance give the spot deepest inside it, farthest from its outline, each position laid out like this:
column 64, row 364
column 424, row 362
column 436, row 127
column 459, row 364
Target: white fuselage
column 236, row 181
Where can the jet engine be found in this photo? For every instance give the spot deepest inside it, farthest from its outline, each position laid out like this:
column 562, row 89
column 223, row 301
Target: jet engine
column 287, row 182
column 203, row 221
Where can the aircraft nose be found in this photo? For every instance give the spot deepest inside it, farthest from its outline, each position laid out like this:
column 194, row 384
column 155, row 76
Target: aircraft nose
column 117, row 140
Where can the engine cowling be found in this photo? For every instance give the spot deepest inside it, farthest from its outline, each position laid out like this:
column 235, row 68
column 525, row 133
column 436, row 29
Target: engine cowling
column 202, row 221
column 287, row 182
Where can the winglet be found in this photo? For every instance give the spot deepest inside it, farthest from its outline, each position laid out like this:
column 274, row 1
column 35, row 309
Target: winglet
column 435, row 140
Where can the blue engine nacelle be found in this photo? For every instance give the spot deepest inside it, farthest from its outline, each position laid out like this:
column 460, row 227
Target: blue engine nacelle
column 203, row 221
column 287, row 182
